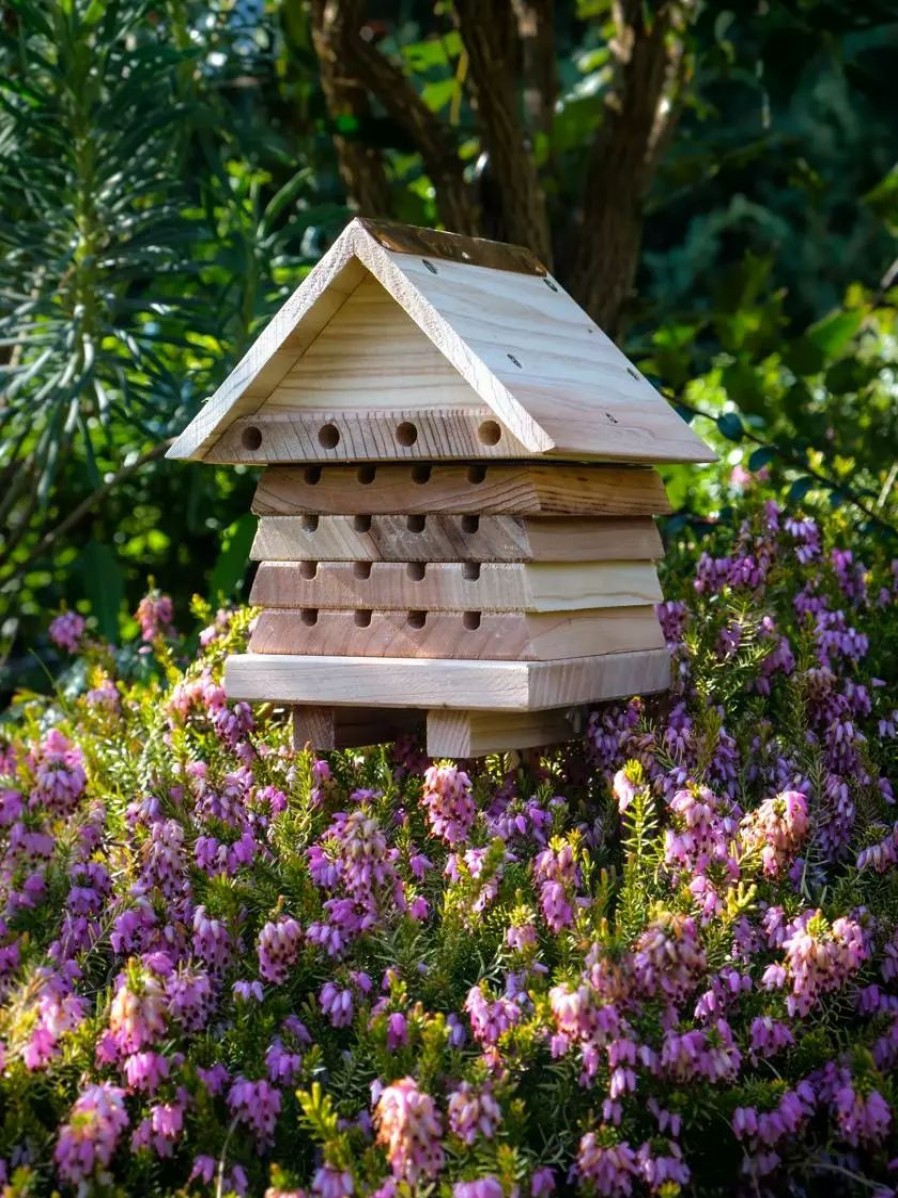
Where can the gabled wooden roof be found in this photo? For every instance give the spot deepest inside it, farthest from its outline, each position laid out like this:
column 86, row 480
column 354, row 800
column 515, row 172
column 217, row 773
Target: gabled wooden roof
column 526, row 349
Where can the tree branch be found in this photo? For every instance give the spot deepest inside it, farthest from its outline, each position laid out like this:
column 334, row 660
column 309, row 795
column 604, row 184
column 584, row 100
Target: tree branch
column 489, row 34
column 434, row 140
column 536, row 30
column 650, row 65
column 335, row 26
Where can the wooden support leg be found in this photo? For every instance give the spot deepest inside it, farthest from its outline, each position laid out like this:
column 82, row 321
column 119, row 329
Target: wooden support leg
column 351, row 727
column 475, row 733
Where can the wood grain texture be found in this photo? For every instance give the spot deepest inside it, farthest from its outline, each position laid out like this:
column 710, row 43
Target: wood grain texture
column 395, row 586
column 464, row 734
column 505, row 636
column 371, row 355
column 475, row 251
column 529, row 350
column 537, row 489
column 351, row 727
column 297, row 436
column 455, row 539
column 293, row 328
column 475, row 685
column 517, row 340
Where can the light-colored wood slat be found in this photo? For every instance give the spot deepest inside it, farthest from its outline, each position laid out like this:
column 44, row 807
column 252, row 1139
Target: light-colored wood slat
column 372, row 355
column 407, row 434
column 516, row 339
column 462, row 734
column 531, row 352
column 505, row 636
column 455, row 539
column 536, row 489
column 351, row 727
column 395, row 586
column 475, row 685
column 475, row 251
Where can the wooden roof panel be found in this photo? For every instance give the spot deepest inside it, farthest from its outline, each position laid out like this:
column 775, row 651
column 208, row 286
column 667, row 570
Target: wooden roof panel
column 509, row 330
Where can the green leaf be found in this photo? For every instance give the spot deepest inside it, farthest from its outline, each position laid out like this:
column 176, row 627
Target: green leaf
column 834, row 332
column 104, row 585
column 800, row 489
column 730, row 425
column 230, row 565
column 760, row 458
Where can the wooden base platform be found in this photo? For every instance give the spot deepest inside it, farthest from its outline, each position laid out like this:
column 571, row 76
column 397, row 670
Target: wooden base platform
column 458, row 734
column 470, row 707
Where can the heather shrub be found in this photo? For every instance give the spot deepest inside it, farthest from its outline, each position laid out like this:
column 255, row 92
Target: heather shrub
column 663, row 960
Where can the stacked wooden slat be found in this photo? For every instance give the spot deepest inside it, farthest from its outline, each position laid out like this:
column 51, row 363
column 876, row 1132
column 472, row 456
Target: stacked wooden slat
column 495, row 597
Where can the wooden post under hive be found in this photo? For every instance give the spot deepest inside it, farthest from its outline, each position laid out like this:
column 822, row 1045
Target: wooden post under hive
column 456, row 522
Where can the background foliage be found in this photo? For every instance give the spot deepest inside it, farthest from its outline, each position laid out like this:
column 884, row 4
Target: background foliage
column 169, row 169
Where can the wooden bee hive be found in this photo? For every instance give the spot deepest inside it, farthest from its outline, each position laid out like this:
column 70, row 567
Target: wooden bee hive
column 456, row 519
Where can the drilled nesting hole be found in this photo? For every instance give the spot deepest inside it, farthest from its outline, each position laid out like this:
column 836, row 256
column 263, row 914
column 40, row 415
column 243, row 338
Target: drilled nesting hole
column 361, row 523
column 416, row 571
column 252, row 437
column 489, row 432
column 312, row 475
column 476, row 474
column 366, row 474
column 417, row 619
column 471, row 620
column 406, row 433
column 309, row 616
column 415, row 523
column 421, row 474
column 471, row 571
column 362, row 618
column 470, row 523
column 361, row 571
column 309, row 523
column 329, row 436
column 308, row 570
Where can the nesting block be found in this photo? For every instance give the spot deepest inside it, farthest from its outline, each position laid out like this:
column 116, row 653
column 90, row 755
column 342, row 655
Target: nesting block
column 456, row 525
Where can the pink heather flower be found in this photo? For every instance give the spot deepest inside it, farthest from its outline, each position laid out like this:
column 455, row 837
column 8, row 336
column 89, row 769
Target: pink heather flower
column 137, row 1018
column 283, row 1066
column 777, row 829
column 449, row 801
column 821, row 958
column 542, row 1182
column 483, row 1187
column 88, row 1141
column 191, row 1000
column 397, row 1031
column 473, row 1112
column 67, row 630
column 660, row 1171
column 409, row 1128
column 278, row 949
column 155, row 614
column 145, row 1071
column 330, row 1182
column 256, row 1104
column 769, row 1036
column 490, row 1020
column 669, row 958
column 211, row 941
column 610, row 1167
column 160, row 1130
column 624, row 790
column 862, row 1119
column 59, row 778
column 248, row 991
